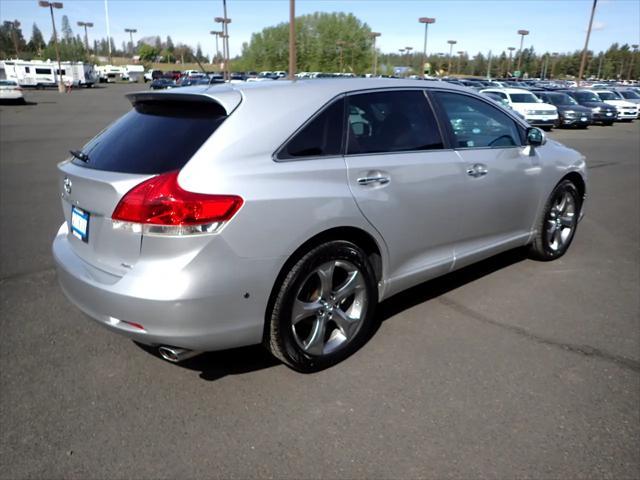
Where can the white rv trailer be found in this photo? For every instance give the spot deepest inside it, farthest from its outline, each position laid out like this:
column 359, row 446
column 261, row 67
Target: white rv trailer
column 108, row 73
column 42, row 74
column 133, row 73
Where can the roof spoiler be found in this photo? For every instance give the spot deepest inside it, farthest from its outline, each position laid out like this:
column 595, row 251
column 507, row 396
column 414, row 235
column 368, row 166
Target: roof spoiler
column 226, row 97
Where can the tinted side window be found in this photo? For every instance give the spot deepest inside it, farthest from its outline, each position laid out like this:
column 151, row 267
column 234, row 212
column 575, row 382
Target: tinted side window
column 393, row 121
column 320, row 137
column 475, row 123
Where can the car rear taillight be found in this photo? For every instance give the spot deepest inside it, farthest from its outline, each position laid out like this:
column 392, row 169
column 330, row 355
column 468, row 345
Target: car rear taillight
column 159, row 206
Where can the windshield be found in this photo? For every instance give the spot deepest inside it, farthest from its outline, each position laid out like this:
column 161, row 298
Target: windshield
column 587, row 97
column 607, row 96
column 561, row 99
column 629, row 94
column 523, row 98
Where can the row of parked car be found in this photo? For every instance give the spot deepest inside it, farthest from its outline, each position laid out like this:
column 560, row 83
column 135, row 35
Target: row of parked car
column 571, row 107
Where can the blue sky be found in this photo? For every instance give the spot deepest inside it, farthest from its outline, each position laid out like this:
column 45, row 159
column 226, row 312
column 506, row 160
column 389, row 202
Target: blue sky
column 477, row 25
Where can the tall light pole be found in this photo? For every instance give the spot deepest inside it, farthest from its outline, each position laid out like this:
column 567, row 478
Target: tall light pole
column 543, row 65
column 460, row 53
column 131, row 31
column 373, row 36
column 51, row 6
column 586, row 43
column 408, row 50
column 217, row 34
column 451, row 44
column 292, row 39
column 427, row 21
column 553, row 64
column 522, row 34
column 600, row 65
column 633, row 56
column 14, row 26
column 511, row 49
column 225, row 21
column 106, row 16
column 86, row 36
column 340, row 44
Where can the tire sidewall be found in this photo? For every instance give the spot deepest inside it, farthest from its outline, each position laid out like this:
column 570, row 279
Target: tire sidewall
column 335, row 250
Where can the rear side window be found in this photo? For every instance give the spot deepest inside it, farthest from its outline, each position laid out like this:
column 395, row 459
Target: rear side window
column 154, row 137
column 322, row 136
column 392, row 121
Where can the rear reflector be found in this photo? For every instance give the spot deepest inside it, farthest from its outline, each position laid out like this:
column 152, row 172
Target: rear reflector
column 161, row 206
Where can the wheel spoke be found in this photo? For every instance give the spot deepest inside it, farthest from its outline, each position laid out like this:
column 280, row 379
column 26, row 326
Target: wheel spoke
column 315, row 343
column 325, row 272
column 348, row 288
column 557, row 237
column 302, row 310
column 567, row 220
column 344, row 323
column 562, row 203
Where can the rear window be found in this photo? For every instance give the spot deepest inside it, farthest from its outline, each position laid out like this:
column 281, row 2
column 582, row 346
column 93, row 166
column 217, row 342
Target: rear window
column 154, row 137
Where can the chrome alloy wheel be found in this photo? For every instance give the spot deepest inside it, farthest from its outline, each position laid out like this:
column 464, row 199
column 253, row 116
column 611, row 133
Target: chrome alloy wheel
column 561, row 221
column 329, row 307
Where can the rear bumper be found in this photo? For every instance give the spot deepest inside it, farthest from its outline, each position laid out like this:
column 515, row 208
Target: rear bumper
column 627, row 115
column 182, row 307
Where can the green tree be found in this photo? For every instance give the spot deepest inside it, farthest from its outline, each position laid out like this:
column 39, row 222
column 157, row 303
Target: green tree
column 36, row 43
column 148, row 53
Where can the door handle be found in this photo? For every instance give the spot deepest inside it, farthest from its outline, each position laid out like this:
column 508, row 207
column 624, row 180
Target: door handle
column 378, row 180
column 477, row 170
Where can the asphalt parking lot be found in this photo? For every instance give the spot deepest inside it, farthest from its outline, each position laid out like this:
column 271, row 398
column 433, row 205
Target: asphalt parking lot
column 510, row 368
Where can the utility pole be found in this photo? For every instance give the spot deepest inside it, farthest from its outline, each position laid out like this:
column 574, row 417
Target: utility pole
column 292, row 39
column 489, row 66
column 460, row 53
column 51, row 6
column 374, row 35
column 586, row 44
column 217, row 34
column 86, row 35
column 600, row 65
column 427, row 21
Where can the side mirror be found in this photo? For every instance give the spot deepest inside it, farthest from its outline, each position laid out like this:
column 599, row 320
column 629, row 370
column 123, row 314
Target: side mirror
column 535, row 137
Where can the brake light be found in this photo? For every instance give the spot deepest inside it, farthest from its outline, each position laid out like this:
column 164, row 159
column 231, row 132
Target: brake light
column 160, row 206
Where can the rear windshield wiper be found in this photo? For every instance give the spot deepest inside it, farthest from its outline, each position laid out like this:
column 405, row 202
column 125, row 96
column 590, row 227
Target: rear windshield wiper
column 80, row 155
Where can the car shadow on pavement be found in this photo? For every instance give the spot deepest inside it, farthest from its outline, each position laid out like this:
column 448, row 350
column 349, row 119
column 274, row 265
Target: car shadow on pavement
column 439, row 286
column 216, row 365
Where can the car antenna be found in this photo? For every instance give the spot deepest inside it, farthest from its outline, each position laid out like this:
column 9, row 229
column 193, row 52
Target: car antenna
column 203, row 70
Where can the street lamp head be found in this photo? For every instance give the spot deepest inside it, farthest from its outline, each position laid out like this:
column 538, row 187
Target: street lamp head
column 57, row 4
column 452, row 42
column 408, row 48
column 375, row 34
column 460, row 52
column 401, row 50
column 634, row 46
column 427, row 20
column 130, row 30
column 222, row 20
column 511, row 48
column 523, row 32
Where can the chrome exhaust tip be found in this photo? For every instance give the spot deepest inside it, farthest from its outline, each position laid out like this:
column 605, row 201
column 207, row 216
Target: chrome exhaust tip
column 175, row 354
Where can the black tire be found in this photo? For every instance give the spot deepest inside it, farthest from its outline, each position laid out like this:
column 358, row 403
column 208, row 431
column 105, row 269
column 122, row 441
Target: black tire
column 582, row 127
column 542, row 248
column 280, row 338
column 547, row 128
column 607, row 124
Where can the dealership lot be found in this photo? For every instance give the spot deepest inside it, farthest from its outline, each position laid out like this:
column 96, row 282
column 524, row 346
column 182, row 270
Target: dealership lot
column 507, row 368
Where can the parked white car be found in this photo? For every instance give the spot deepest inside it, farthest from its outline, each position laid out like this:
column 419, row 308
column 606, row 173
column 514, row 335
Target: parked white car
column 626, row 109
column 11, row 91
column 534, row 111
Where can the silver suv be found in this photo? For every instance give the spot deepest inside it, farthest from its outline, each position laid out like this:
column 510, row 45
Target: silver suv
column 192, row 224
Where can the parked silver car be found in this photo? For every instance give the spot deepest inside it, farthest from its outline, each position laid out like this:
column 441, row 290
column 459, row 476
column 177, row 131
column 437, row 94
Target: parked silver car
column 191, row 226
